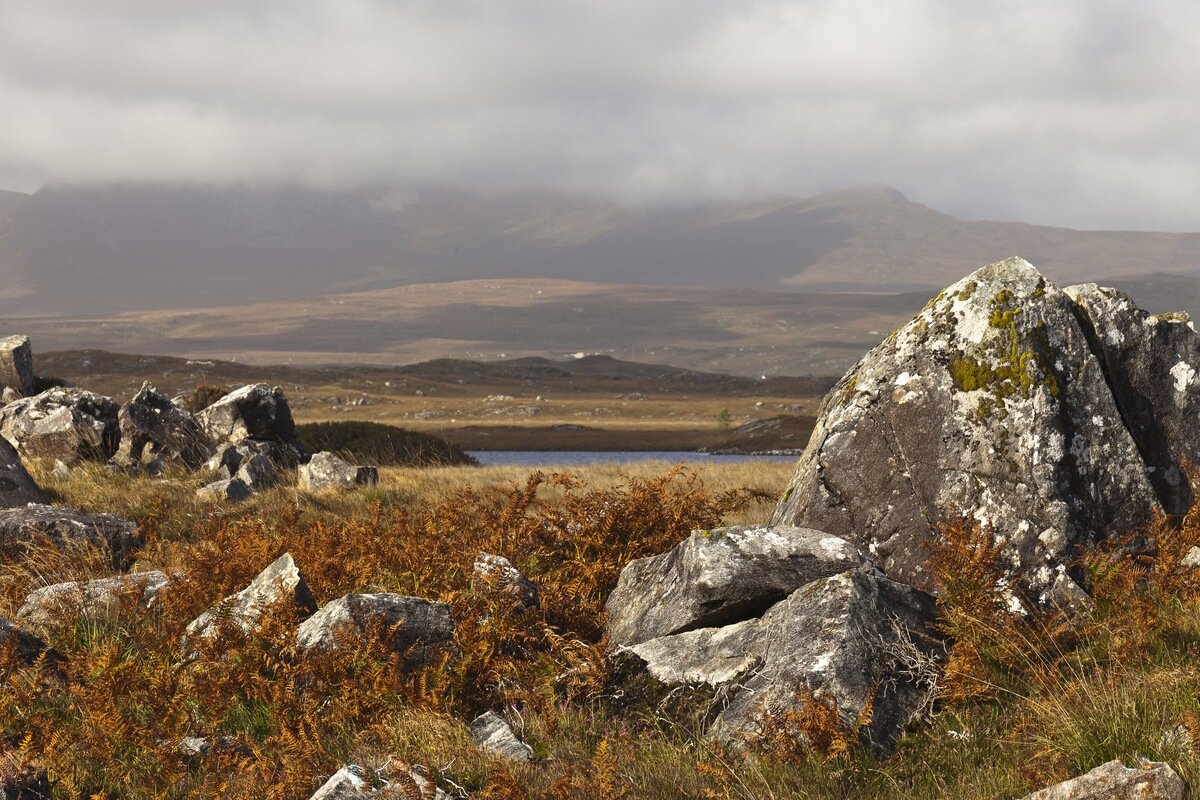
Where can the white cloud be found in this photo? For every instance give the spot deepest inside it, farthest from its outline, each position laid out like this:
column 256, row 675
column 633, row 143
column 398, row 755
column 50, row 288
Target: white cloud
column 1080, row 112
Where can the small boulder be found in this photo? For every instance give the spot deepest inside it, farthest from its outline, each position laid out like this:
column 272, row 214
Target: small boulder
column 492, row 732
column 17, row 487
column 852, row 638
column 67, row 424
column 1150, row 780
column 198, row 747
column 495, row 575
column 256, row 412
column 421, row 629
column 233, row 490
column 258, row 472
column 280, row 582
column 355, row 783
column 26, row 528
column 16, row 365
column 718, row 577
column 153, row 427
column 48, row 606
column 61, row 471
column 326, row 471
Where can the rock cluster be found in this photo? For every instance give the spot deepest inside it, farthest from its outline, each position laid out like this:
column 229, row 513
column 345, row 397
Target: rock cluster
column 1051, row 417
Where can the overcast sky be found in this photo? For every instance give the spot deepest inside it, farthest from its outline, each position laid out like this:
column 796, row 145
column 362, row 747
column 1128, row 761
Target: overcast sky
column 1071, row 112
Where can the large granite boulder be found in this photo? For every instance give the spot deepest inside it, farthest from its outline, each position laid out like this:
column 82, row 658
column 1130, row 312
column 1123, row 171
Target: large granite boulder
column 153, row 427
column 255, row 412
column 989, row 404
column 49, row 606
column 63, row 423
column 1150, row 780
column 419, row 629
column 719, row 577
column 17, row 487
column 25, row 529
column 1151, row 362
column 278, row 584
column 16, row 365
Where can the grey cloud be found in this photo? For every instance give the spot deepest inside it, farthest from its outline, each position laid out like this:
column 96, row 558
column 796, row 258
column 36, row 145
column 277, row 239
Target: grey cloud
column 1080, row 112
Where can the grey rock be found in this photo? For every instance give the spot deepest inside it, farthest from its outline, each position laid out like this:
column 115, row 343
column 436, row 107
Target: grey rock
column 1069, row 598
column 258, row 472
column 718, row 577
column 1191, row 558
column 352, row 783
column 230, row 457
column 280, row 582
column 989, row 403
column 325, row 471
column 48, row 606
column 233, row 490
column 419, row 628
column 1151, row 362
column 16, row 365
column 196, row 747
column 9, row 395
column 492, row 574
column 256, row 411
column 153, row 427
column 851, row 638
column 67, row 424
column 491, row 732
column 714, row 656
column 1150, row 780
column 17, row 487
column 27, row 528
column 61, row 471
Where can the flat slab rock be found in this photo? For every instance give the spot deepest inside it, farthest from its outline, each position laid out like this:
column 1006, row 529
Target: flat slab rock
column 991, row 404
column 841, row 637
column 421, row 629
column 28, row 527
column 721, row 576
column 17, row 487
column 352, row 783
column 1151, row 780
column 48, row 606
column 491, row 732
column 279, row 583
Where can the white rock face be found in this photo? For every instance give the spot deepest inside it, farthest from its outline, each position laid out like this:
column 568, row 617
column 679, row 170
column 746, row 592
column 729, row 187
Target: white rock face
column 279, row 582
column 990, row 403
column 1150, row 780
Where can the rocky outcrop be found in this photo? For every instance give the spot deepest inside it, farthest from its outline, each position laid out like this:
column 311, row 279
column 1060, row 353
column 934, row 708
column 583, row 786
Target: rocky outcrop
column 67, row 424
column 17, row 487
column 24, row 529
column 992, row 404
column 495, row 576
column 1150, row 780
column 325, row 471
column 49, row 606
column 1151, row 363
column 491, row 732
column 153, row 427
column 420, row 629
column 16, row 365
column 279, row 584
column 718, row 577
column 26, row 648
column 255, row 412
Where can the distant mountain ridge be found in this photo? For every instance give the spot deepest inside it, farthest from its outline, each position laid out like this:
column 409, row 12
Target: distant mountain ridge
column 108, row 249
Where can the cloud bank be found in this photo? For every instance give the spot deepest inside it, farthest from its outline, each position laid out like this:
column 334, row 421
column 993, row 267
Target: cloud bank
column 1078, row 112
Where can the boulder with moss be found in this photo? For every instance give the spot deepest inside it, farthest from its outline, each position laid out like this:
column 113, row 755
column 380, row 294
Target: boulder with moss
column 989, row 403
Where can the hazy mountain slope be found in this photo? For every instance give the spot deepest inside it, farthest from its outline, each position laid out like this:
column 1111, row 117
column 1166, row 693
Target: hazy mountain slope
column 70, row 250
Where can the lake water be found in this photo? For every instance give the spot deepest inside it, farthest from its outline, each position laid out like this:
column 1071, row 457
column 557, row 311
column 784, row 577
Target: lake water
column 561, row 458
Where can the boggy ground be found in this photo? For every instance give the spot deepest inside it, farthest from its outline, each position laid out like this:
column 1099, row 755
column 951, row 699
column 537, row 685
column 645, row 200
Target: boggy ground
column 1024, row 702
